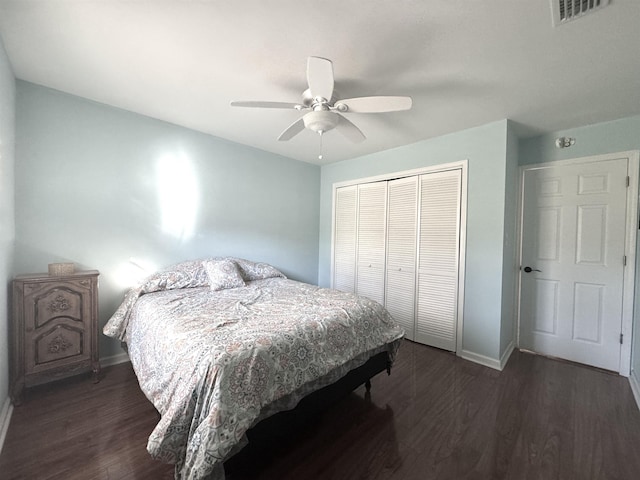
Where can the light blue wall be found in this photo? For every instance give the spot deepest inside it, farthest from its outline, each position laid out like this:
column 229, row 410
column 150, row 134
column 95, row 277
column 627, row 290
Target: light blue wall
column 609, row 137
column 485, row 148
column 89, row 189
column 7, row 225
column 510, row 266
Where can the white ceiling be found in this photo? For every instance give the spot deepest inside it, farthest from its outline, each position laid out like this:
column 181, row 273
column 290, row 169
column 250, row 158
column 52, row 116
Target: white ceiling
column 464, row 62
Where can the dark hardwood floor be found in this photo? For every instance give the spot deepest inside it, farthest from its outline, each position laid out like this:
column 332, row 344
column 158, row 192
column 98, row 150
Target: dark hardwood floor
column 435, row 417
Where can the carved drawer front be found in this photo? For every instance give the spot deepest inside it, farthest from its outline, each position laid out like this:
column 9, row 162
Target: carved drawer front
column 56, row 324
column 58, row 343
column 54, row 303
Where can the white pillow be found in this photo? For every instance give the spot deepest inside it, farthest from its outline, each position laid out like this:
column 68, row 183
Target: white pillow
column 256, row 271
column 223, row 274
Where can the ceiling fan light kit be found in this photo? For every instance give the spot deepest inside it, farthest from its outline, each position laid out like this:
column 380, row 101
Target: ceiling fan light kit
column 326, row 111
column 320, row 121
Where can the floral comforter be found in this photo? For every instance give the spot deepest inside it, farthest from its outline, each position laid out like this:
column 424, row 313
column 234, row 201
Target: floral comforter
column 211, row 361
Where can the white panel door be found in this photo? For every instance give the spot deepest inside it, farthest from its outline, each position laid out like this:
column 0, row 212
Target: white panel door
column 371, row 236
column 402, row 228
column 344, row 253
column 439, row 253
column 573, row 241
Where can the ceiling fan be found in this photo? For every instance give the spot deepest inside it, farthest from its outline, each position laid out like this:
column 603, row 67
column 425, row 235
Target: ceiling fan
column 324, row 109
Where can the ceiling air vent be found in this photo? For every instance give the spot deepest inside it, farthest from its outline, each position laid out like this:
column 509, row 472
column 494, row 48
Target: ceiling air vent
column 564, row 11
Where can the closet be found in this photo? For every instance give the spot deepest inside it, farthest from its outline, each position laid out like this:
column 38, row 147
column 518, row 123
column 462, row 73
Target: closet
column 397, row 241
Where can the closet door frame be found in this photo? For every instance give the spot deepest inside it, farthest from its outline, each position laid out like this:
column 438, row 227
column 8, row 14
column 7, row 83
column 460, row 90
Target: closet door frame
column 462, row 165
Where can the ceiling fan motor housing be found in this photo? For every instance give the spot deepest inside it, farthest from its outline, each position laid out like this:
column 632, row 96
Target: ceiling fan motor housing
column 320, row 121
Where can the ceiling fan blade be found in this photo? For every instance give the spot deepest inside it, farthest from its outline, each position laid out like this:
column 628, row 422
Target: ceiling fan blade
column 320, row 77
column 349, row 130
column 292, row 130
column 267, row 105
column 378, row 104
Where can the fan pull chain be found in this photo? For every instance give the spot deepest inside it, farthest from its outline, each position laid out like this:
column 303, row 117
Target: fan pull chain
column 320, row 156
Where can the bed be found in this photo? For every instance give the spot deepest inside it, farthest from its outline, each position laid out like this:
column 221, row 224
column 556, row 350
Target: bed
column 220, row 344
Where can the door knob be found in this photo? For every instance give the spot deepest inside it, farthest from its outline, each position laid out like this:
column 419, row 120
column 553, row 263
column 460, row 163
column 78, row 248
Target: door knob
column 529, row 269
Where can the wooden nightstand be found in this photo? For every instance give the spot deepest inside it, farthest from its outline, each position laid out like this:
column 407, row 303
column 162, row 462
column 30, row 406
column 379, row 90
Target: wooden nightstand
column 54, row 330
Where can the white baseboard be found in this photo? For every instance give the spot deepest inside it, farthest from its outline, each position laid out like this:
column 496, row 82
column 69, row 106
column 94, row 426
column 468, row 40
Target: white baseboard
column 488, row 361
column 5, row 418
column 507, row 354
column 635, row 386
column 114, row 359
column 481, row 359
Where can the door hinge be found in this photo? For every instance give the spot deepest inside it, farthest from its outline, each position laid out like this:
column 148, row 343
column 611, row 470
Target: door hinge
column 628, row 181
column 621, row 338
column 624, row 260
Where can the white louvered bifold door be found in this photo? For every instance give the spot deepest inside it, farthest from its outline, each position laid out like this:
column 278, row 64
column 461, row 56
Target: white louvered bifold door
column 438, row 254
column 372, row 221
column 344, row 263
column 402, row 227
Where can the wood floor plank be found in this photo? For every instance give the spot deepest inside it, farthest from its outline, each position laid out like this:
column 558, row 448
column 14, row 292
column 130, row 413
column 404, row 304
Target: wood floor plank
column 436, row 417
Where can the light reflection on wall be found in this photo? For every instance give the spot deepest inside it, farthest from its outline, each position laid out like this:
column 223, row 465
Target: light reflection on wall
column 133, row 272
column 178, row 195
